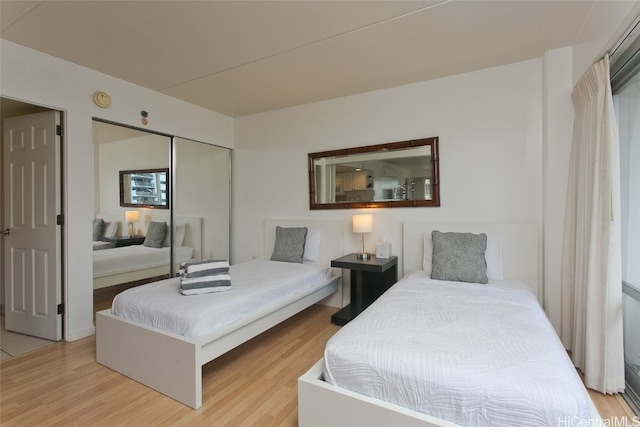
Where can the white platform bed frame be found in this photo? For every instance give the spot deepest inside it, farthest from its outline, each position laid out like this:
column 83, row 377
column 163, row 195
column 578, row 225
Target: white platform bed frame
column 192, row 238
column 324, row 404
column 172, row 364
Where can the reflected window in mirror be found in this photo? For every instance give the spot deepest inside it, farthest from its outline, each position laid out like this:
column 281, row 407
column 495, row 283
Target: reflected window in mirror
column 398, row 174
column 145, row 188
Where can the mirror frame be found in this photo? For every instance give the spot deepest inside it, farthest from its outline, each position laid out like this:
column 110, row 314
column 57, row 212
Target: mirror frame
column 389, row 147
column 144, row 205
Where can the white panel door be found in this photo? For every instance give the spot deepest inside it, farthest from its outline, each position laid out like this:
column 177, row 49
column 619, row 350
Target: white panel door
column 31, row 236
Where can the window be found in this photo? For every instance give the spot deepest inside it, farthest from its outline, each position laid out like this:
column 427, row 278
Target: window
column 625, row 82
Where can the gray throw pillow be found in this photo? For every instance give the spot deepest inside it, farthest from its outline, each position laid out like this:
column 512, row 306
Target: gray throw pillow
column 155, row 234
column 98, row 226
column 289, row 246
column 459, row 257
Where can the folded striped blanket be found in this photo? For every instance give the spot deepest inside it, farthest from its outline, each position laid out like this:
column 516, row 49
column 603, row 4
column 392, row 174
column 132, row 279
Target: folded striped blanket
column 204, row 276
column 203, row 267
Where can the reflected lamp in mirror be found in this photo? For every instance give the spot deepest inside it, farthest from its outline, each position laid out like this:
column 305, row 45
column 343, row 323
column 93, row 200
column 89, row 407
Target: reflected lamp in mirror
column 398, row 174
column 362, row 224
column 131, row 218
column 145, row 188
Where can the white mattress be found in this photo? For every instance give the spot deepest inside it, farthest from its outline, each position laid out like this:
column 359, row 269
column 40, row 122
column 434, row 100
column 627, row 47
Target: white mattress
column 136, row 257
column 258, row 285
column 475, row 355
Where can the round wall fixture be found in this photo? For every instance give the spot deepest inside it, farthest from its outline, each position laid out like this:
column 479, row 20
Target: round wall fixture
column 101, row 99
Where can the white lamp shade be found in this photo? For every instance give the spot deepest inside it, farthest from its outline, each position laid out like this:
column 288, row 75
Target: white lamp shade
column 132, row 216
column 362, row 223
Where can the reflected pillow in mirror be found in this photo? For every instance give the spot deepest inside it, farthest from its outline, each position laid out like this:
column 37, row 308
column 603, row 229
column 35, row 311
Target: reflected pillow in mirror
column 179, row 236
column 459, row 257
column 110, row 229
column 289, row 245
column 155, row 234
column 312, row 244
column 98, row 226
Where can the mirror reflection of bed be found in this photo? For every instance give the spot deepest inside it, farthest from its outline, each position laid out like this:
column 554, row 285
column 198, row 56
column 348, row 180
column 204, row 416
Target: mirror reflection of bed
column 140, row 261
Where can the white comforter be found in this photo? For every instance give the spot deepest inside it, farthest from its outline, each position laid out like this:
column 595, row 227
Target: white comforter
column 475, row 355
column 135, row 257
column 256, row 286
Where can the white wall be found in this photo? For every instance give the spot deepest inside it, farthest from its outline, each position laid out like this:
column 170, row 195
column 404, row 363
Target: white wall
column 33, row 77
column 557, row 131
column 491, row 151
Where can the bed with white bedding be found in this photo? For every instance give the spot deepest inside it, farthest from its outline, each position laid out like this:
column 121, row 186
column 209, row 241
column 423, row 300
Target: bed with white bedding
column 116, row 265
column 165, row 344
column 135, row 258
column 468, row 353
column 257, row 285
column 443, row 353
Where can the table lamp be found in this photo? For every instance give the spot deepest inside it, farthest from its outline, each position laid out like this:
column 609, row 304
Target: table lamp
column 131, row 217
column 363, row 224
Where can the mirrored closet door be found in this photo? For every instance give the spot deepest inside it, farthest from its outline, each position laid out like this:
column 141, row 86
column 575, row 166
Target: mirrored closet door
column 159, row 201
column 202, row 178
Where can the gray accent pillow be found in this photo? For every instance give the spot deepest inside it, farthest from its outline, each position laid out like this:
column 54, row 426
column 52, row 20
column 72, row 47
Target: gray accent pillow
column 459, row 257
column 289, row 246
column 98, row 226
column 155, row 234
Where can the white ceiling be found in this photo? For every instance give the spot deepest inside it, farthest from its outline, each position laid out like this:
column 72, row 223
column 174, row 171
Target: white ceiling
column 245, row 57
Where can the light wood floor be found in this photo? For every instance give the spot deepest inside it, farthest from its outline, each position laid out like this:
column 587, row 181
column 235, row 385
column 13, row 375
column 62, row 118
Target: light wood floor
column 252, row 385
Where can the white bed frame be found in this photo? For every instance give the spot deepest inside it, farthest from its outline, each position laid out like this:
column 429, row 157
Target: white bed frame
column 172, row 364
column 323, row 404
column 520, row 253
column 192, row 238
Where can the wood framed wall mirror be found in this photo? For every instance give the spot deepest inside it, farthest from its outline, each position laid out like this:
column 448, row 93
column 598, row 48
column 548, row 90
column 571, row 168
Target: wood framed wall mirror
column 145, row 188
column 397, row 174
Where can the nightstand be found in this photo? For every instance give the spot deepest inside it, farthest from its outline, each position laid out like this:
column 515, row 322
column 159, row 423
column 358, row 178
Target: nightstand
column 369, row 279
column 120, row 241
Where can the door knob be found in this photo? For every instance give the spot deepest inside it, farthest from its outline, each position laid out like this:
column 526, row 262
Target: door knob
column 6, row 231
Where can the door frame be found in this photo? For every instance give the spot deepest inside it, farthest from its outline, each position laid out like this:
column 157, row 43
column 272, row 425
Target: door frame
column 29, row 108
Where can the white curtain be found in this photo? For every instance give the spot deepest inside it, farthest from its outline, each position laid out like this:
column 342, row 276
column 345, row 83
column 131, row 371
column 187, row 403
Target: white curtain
column 591, row 264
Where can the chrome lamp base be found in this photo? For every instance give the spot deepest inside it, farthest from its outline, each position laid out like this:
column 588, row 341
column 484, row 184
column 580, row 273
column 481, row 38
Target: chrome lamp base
column 363, row 255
